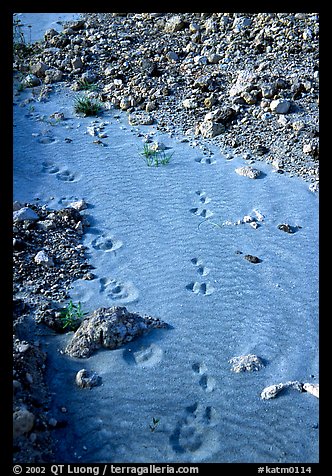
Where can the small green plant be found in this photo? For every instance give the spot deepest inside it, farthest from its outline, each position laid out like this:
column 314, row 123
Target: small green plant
column 86, row 86
column 154, row 424
column 154, row 157
column 71, row 316
column 87, row 106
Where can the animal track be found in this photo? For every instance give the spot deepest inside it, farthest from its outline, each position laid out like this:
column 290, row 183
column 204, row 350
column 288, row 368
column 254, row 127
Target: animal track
column 194, row 433
column 118, row 291
column 46, row 139
column 201, row 269
column 205, row 160
column 50, row 168
column 106, row 243
column 202, row 197
column 196, row 287
column 200, row 288
column 66, row 176
column 144, row 357
column 207, row 383
column 202, row 212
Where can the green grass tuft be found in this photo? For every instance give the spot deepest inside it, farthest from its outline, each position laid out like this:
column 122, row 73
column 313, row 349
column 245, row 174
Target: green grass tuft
column 87, row 106
column 154, row 158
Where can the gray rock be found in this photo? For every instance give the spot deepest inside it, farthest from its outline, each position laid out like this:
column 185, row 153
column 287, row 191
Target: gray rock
column 175, row 23
column 109, row 328
column 77, row 63
column 53, row 75
column 50, row 33
column 25, row 213
column 280, row 106
column 248, row 171
column 30, row 81
column 87, row 379
column 39, row 69
column 23, row 422
column 210, row 129
column 140, row 117
column 246, row 363
column 252, row 259
column 286, row 228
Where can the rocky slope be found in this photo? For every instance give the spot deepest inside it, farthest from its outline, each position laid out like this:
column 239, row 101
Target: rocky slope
column 248, row 82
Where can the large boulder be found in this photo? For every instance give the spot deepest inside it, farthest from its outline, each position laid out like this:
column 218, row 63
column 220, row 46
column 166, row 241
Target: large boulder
column 109, row 328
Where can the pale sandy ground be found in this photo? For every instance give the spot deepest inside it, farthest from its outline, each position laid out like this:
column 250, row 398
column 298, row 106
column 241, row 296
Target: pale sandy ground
column 151, row 255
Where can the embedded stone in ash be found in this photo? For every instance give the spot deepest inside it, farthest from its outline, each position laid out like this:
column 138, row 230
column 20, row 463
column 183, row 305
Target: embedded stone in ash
column 273, row 390
column 109, row 328
column 246, row 363
column 285, row 227
column 87, row 379
column 252, row 259
column 248, row 171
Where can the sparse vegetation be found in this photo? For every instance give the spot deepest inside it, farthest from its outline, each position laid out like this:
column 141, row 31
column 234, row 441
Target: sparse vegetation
column 71, row 316
column 86, row 86
column 87, row 106
column 154, row 158
column 21, row 47
column 154, row 424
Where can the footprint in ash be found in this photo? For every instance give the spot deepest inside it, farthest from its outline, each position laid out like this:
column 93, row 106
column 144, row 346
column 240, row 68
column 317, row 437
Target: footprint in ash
column 67, row 176
column 194, row 435
column 206, row 382
column 200, row 210
column 50, row 167
column 195, row 286
column 206, row 160
column 106, row 243
column 143, row 355
column 118, row 291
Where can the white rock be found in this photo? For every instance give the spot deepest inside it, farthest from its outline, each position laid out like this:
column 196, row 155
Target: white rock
column 25, row 213
column 43, row 259
column 79, row 205
column 91, row 130
column 175, row 23
column 272, row 390
column 259, row 215
column 246, row 363
column 189, row 103
column 280, row 106
column 312, row 388
column 248, row 171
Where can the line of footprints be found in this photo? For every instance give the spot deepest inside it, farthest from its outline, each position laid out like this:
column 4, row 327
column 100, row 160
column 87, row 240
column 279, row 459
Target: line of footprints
column 201, row 287
column 194, row 433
